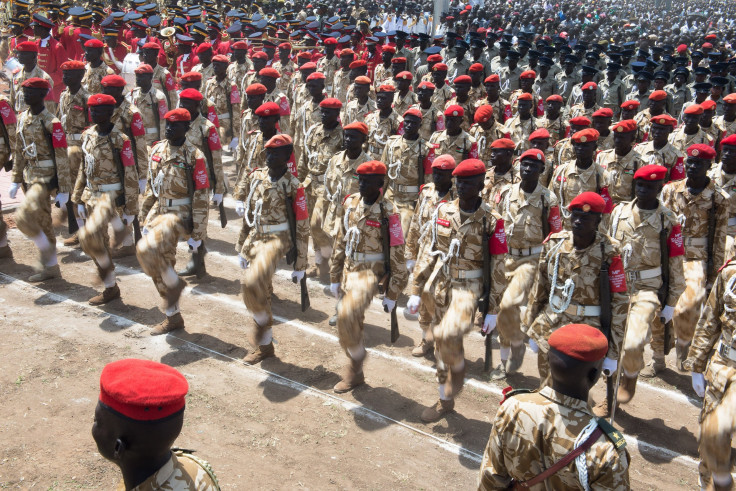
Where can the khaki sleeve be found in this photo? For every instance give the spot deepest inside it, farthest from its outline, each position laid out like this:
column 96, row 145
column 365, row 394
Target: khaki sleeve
column 412, row 236
column 217, row 168
column 302, row 238
column 19, row 160
column 63, row 171
column 337, row 261
column 493, row 472
column 538, row 296
column 721, row 232
column 677, row 280
column 612, row 473
column 131, row 189
column 79, row 184
column 709, row 328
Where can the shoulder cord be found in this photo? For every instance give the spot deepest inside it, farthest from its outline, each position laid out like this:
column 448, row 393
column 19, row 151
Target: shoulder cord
column 89, row 160
column 250, row 155
column 508, row 219
column 729, row 293
column 567, row 288
column 394, row 166
column 253, row 222
column 352, row 234
column 310, row 154
column 452, row 251
column 565, row 212
column 423, row 227
column 28, row 150
column 332, row 197
column 580, row 462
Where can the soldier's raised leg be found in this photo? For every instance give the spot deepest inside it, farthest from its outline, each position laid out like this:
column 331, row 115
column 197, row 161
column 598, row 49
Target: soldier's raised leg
column 34, row 220
column 687, row 310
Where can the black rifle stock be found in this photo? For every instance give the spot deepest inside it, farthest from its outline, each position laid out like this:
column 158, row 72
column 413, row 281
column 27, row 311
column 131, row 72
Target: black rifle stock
column 664, row 290
column 605, row 317
column 383, row 285
column 291, row 254
column 484, row 302
column 211, row 170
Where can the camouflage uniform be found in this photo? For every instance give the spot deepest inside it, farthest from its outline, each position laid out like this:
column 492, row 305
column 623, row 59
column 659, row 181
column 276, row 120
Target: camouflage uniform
column 433, row 116
column 304, row 118
column 182, row 472
column 92, row 80
column 619, row 173
column 127, row 119
column 287, row 71
column 379, row 130
column 612, row 94
column 401, row 104
column 74, row 120
column 485, row 138
column 681, row 141
column 7, row 119
column 248, row 123
column 152, row 107
column 501, row 108
column 382, row 75
column 563, row 152
column 226, row 98
column 580, row 110
column 329, row 68
column 203, row 135
column 494, row 184
column 668, row 156
column 442, row 95
column 353, row 112
column 284, row 109
column 639, row 232
column 532, row 431
column 727, row 182
column 16, row 91
column 557, row 128
column 163, row 81
column 251, row 156
column 340, row 85
column 519, row 131
column 340, row 181
column 568, row 181
column 727, row 128
column 461, row 146
column 206, row 71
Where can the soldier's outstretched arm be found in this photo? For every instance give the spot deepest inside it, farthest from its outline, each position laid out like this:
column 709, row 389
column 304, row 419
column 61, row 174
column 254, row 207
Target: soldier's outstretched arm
column 302, row 233
column 494, row 474
column 538, row 296
column 708, row 331
column 399, row 274
column 337, row 261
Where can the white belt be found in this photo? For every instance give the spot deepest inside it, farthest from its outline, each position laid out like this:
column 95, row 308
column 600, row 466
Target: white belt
column 223, row 116
column 151, row 131
column 696, row 241
column 361, row 257
column 105, row 188
column 527, row 251
column 470, row 274
column 74, row 137
column 726, row 351
column 44, row 163
column 177, row 202
column 276, row 227
column 646, row 274
column 407, row 189
column 578, row 310
column 732, row 221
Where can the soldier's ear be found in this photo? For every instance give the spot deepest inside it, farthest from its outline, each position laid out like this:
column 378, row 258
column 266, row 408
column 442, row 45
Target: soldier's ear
column 119, row 449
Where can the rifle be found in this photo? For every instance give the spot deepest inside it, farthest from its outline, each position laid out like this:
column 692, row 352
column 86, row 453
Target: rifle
column 156, row 115
column 664, row 290
column 545, row 219
column 291, row 254
column 383, row 284
column 8, row 166
column 711, row 233
column 420, row 166
column 605, row 296
column 211, row 169
column 134, row 147
column 71, row 220
column 484, row 302
column 230, row 132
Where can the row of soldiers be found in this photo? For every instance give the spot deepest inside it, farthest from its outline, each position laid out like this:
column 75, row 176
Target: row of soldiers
column 495, row 206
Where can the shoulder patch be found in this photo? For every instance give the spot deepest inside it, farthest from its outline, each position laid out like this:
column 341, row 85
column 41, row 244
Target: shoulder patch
column 612, row 433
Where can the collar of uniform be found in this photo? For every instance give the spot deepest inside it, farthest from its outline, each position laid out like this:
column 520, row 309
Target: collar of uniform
column 584, row 174
column 566, row 401
column 159, row 479
column 176, row 154
column 483, row 210
column 529, row 199
column 363, row 157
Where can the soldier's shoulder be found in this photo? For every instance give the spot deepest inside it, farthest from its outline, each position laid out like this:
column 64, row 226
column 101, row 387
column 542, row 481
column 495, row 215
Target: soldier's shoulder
column 158, row 146
column 198, row 469
column 612, row 434
column 557, row 237
column 351, row 199
column 518, row 394
column 395, row 138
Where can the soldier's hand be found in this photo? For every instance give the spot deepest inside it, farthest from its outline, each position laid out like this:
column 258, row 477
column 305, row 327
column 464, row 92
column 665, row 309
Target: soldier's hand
column 240, row 208
column 388, row 304
column 144, row 231
column 82, row 211
column 13, row 190
column 296, row 276
column 233, row 144
column 609, row 366
column 142, row 186
column 243, row 262
column 413, row 304
column 533, row 346
column 667, row 313
column 62, row 198
column 194, row 244
column 217, row 199
column 335, row 289
column 698, row 383
column 489, row 324
column 410, row 263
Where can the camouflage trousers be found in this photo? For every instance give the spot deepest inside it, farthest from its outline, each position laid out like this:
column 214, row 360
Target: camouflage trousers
column 406, row 211
column 256, row 285
column 316, row 204
column 157, row 250
column 34, row 214
column 94, row 237
column 690, row 303
column 642, row 326
column 520, row 277
column 717, row 419
column 74, row 152
column 225, row 129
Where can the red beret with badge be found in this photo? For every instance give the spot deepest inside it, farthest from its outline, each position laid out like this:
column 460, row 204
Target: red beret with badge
column 701, row 151
column 695, row 109
column 357, row 126
column 191, row 94
column 73, row 65
column 630, row 104
column 588, row 201
column 664, row 119
column 27, row 46
column 112, row 81
column 444, row 162
column 469, row 168
column 539, row 133
column 426, row 85
column 316, row 76
column 454, row 110
column 94, row 43
column 652, row 172
column 586, row 135
column 483, row 113
column 191, row 77
column 36, row 83
column 528, row 74
column 268, row 109
column 404, row 75
column 462, row 79
column 143, row 68
column 624, row 126
column 178, row 114
column 729, row 140
column 280, row 140
column 255, row 89
column 492, row 78
column 534, row 154
column 100, row 100
column 603, row 112
column 504, row 143
column 580, row 121
column 554, row 98
column 413, row 111
column 269, row 72
column 331, row 103
column 658, row 95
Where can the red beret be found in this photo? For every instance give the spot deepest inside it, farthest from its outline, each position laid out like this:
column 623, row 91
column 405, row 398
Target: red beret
column 255, row 89
column 101, row 100
column 603, row 112
column 430, row 85
column 681, row 48
column 651, row 172
column 346, row 52
column 357, row 126
column 151, row 45
column 624, row 126
column 455, row 110
column 528, row 74
column 435, row 58
column 358, row 64
column 389, row 49
column 94, row 43
column 506, row 143
column 268, row 109
column 113, row 81
column 534, row 154
column 491, row 78
column 142, row 390
column 579, row 341
column 259, row 55
column 483, row 113
column 658, row 95
column 191, row 94
column 586, row 135
column 316, row 76
column 73, row 65
column 27, row 46
column 285, row 46
column 413, row 111
column 630, row 104
column 371, row 167
column 331, row 103
column 144, row 68
column 708, row 105
column 36, row 83
column 580, row 121
column 280, row 140
column 239, row 45
column 554, row 98
column 711, row 37
column 202, row 48
column 362, row 80
column 524, row 96
column 540, row 133
column 398, row 59
column 404, row 75
column 462, row 79
column 696, row 109
column 707, row 45
column 269, row 72
column 439, row 67
column 701, row 151
column 475, row 67
column 588, row 201
column 729, row 140
column 589, row 86
column 178, row 114
column 221, row 59
column 310, row 65
column 730, row 98
column 469, row 167
column 191, row 77
column 386, row 88
column 664, row 119
column 445, row 162
column 329, row 41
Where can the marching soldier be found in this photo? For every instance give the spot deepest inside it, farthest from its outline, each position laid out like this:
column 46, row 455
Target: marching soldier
column 601, row 122
column 150, row 103
column 342, row 75
column 453, row 139
column 254, row 95
column 27, row 53
column 621, row 162
column 383, row 122
column 486, row 130
column 522, row 124
column 657, row 101
column 358, row 109
column 42, row 166
column 589, row 102
column 174, row 207
column 298, row 92
column 205, row 67
column 253, row 152
column 702, row 208
column 612, row 90
column 308, row 113
column 539, row 140
column 501, row 173
column 8, row 122
column 690, row 133
column 360, row 262
column 329, row 64
column 285, row 66
column 563, row 149
column 106, row 190
column 658, row 150
column 225, row 95
column 96, row 69
column 404, row 97
column 724, row 176
column 462, row 99
column 553, row 120
column 442, row 92
column 258, row 59
column 501, row 107
column 161, row 79
column 268, row 77
column 648, row 232
column 519, row 450
column 433, row 117
column 267, row 234
column 456, row 271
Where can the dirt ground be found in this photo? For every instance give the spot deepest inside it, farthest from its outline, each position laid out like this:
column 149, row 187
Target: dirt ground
column 277, row 425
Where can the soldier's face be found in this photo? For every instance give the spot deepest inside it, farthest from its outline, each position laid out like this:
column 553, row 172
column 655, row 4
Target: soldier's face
column 267, row 123
column 425, row 96
column 346, row 60
column 589, row 96
column 601, row 124
column 269, row 82
column 361, row 90
column 411, row 125
column 691, row 120
column 659, row 132
column 101, row 114
column 553, row 107
column 728, row 159
column 26, row 57
column 647, row 191
column 442, row 178
column 220, row 68
column 526, row 84
column 306, row 73
column 584, row 150
column 469, row 187
column 525, row 107
column 277, row 159
column 403, row 84
column 462, row 89
column 584, row 224
column 622, row 141
column 453, row 123
column 386, row 57
column 33, row 96
column 328, row 116
column 352, row 139
column 150, row 56
column 707, row 117
column 92, row 54
column 103, row 432
column 729, row 110
column 258, row 65
column 205, row 56
column 696, row 168
column 143, row 80
column 438, row 77
column 254, row 101
column 239, row 55
column 72, row 77
column 176, row 130
column 384, row 100
column 316, row 87
column 529, row 170
column 370, row 184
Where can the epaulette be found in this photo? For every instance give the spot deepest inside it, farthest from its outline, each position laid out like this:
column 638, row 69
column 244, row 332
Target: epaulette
column 251, row 172
column 510, row 392
column 724, row 266
column 612, row 433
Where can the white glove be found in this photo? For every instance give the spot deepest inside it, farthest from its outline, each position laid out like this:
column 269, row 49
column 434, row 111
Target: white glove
column 62, row 198
column 142, row 185
column 243, row 262
column 194, row 244
column 82, row 212
column 233, row 144
column 14, row 187
column 533, row 346
column 144, row 231
column 217, row 199
column 609, row 366
column 489, row 324
column 667, row 313
column 335, row 289
column 388, row 304
column 296, row 276
column 413, row 304
column 128, row 219
column 410, row 263
column 240, row 208
column 698, row 383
